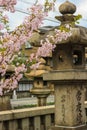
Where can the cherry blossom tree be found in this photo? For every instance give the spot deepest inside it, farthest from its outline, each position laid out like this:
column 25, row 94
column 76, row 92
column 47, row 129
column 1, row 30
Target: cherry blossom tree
column 11, row 42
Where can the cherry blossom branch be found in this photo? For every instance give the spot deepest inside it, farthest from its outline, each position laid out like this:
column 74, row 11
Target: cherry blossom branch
column 10, row 44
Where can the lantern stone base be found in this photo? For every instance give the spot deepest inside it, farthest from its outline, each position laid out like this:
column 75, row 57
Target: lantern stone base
column 69, row 99
column 41, row 94
column 82, row 127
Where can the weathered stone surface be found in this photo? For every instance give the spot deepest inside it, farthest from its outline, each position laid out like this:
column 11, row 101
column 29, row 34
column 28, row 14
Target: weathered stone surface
column 67, row 8
column 84, row 127
column 35, row 73
column 38, row 82
column 26, row 119
column 13, row 125
column 25, row 113
column 43, row 61
column 66, row 75
column 65, row 58
column 37, row 123
column 40, row 92
column 69, row 101
column 48, row 122
column 41, row 67
column 25, row 124
column 35, row 39
column 1, row 125
column 5, row 103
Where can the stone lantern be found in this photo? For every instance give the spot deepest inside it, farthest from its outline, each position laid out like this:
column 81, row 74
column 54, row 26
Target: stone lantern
column 40, row 88
column 69, row 75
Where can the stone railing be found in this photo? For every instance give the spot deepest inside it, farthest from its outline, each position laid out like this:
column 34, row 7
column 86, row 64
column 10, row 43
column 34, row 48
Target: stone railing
column 38, row 118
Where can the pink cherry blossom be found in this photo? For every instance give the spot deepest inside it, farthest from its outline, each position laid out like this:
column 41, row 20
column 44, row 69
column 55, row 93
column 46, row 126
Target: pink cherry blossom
column 8, row 4
column 1, row 26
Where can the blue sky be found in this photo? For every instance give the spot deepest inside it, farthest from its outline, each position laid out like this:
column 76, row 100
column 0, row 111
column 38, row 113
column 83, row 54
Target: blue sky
column 17, row 17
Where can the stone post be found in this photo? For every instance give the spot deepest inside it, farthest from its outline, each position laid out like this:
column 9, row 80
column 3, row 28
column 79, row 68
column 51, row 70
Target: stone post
column 69, row 99
column 42, row 100
column 5, row 103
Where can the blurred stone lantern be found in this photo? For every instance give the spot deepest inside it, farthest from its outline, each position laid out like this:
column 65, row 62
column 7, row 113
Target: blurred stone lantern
column 40, row 89
column 69, row 75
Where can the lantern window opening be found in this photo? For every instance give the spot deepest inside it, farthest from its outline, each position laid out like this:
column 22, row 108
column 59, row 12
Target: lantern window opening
column 77, row 57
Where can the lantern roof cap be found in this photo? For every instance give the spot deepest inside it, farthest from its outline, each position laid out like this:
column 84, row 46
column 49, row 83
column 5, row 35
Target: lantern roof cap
column 67, row 8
